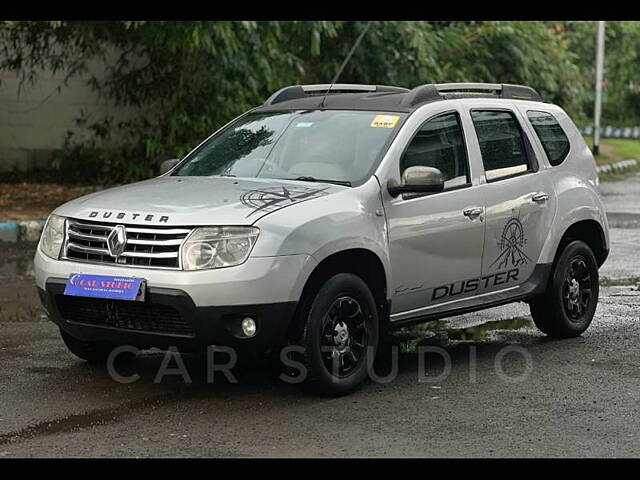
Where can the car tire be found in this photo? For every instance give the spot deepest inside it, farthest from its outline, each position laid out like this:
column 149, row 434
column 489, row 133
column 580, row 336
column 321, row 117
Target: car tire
column 567, row 307
column 340, row 336
column 92, row 352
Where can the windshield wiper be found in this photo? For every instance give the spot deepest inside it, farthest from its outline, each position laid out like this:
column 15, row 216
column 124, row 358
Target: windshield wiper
column 313, row 179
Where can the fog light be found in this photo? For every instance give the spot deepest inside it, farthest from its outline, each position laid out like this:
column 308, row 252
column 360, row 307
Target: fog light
column 248, row 326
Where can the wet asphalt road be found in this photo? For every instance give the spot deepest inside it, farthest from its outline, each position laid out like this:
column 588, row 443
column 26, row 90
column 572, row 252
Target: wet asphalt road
column 579, row 397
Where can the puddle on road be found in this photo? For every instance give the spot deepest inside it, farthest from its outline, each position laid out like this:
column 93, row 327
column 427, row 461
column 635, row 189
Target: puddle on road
column 443, row 331
column 18, row 300
column 91, row 418
column 623, row 220
column 631, row 282
column 16, row 260
column 146, row 365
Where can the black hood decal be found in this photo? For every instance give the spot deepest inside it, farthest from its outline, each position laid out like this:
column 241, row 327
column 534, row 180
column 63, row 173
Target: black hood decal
column 270, row 199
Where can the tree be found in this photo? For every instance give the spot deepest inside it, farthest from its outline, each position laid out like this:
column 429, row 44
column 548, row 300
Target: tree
column 621, row 93
column 186, row 79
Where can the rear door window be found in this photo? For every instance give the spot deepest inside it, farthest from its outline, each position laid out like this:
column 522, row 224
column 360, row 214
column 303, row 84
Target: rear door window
column 502, row 143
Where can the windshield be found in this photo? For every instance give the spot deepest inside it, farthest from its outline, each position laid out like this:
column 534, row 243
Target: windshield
column 316, row 145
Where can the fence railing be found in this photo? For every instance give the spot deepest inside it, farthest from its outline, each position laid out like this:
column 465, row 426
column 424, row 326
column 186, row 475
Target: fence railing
column 613, row 132
column 617, row 167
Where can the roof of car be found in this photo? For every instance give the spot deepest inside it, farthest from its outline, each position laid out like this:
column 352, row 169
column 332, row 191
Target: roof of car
column 386, row 98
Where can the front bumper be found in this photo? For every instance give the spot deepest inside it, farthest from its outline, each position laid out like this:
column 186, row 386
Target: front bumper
column 168, row 317
column 259, row 280
column 183, row 309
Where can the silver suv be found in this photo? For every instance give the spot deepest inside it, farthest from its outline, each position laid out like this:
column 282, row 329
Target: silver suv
column 330, row 216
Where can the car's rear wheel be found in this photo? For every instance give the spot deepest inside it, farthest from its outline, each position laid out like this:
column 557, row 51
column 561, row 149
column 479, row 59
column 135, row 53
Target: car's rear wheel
column 569, row 303
column 339, row 336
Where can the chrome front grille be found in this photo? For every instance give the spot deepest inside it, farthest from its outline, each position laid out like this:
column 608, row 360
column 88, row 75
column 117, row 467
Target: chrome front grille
column 156, row 247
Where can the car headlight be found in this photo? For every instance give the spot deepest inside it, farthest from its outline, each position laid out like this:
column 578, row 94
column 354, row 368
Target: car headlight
column 216, row 247
column 52, row 236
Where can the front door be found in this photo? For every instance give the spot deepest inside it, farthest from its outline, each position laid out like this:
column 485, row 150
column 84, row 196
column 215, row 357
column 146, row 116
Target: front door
column 435, row 240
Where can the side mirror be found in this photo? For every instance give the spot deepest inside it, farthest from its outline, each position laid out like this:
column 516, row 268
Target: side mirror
column 168, row 165
column 418, row 180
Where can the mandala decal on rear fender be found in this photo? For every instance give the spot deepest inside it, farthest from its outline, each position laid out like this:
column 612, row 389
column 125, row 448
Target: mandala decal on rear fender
column 511, row 245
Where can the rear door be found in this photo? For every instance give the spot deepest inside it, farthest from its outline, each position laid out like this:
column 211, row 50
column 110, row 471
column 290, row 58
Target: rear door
column 518, row 196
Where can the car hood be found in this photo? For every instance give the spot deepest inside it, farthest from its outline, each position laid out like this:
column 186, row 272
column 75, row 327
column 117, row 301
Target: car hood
column 194, row 200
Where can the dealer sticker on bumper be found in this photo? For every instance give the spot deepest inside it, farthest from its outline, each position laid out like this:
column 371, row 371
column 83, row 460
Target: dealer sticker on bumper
column 105, row 286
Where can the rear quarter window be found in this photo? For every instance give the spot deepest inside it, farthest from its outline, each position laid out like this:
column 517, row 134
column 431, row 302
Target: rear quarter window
column 553, row 139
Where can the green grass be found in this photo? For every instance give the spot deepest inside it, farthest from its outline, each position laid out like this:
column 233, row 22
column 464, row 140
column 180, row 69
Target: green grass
column 615, row 149
column 620, row 282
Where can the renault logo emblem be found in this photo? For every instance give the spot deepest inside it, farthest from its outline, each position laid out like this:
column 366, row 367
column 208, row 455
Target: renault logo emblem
column 117, row 240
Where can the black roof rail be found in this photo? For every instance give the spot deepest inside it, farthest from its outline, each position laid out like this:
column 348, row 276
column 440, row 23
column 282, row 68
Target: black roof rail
column 520, row 92
column 421, row 94
column 301, row 91
column 431, row 92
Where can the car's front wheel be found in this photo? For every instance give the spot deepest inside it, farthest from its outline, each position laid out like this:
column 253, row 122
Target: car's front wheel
column 569, row 303
column 339, row 336
column 92, row 352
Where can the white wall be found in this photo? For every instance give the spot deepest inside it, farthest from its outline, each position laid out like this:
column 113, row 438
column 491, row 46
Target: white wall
column 34, row 122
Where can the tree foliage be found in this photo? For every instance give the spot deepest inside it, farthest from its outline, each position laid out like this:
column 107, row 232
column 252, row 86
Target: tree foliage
column 621, row 89
column 183, row 80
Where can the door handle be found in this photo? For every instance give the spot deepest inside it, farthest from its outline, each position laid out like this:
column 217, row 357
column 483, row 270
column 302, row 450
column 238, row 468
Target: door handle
column 540, row 197
column 472, row 212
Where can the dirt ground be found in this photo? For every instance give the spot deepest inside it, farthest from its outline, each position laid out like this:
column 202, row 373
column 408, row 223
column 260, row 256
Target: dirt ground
column 607, row 150
column 34, row 201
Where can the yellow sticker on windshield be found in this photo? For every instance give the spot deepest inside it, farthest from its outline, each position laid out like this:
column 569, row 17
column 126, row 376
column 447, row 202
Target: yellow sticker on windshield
column 385, row 121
